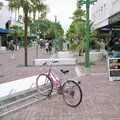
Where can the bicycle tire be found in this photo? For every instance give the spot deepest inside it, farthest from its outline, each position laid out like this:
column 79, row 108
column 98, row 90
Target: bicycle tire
column 44, row 84
column 68, row 93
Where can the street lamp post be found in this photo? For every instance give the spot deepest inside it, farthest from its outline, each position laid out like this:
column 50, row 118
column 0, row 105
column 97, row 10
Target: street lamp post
column 87, row 38
column 87, row 41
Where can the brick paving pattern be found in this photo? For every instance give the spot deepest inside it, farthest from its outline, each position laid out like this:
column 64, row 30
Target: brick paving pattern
column 101, row 98
column 14, row 69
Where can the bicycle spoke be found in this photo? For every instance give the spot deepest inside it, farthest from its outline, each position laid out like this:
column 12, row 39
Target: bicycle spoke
column 44, row 85
column 72, row 93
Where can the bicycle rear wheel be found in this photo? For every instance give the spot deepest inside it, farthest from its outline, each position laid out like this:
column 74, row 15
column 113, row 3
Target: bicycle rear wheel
column 44, row 84
column 72, row 93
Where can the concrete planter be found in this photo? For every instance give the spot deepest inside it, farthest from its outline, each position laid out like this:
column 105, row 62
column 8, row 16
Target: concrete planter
column 62, row 58
column 65, row 54
column 94, row 56
column 2, row 48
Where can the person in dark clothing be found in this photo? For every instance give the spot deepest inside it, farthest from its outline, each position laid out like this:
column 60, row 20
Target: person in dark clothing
column 114, row 47
column 108, row 46
column 50, row 46
column 12, row 48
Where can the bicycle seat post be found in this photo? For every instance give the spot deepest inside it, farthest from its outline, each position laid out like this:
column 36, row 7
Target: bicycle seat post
column 62, row 76
column 50, row 67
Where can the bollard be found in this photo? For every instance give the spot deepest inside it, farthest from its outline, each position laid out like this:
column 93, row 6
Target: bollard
column 1, row 70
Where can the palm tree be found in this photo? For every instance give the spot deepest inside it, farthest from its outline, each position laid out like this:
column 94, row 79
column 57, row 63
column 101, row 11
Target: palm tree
column 14, row 7
column 40, row 8
column 43, row 9
column 76, row 31
column 34, row 10
column 26, row 5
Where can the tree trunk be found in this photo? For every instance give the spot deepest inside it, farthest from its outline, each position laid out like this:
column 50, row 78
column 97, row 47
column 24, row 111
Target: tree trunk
column 15, row 15
column 34, row 15
column 25, row 38
column 18, row 15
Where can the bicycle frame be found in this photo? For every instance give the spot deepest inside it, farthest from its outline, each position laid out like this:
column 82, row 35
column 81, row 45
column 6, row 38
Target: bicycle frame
column 53, row 76
column 56, row 81
column 67, row 89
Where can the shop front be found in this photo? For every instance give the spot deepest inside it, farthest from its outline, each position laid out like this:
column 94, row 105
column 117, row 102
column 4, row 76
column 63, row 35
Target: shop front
column 3, row 36
column 114, row 59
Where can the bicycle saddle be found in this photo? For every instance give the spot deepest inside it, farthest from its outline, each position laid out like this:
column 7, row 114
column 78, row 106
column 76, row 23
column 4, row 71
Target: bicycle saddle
column 45, row 63
column 64, row 71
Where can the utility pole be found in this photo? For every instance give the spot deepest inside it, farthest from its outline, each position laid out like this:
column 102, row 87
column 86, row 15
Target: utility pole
column 87, row 38
column 55, row 39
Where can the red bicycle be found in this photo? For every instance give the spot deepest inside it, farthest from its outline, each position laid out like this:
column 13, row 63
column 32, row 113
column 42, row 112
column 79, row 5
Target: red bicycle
column 70, row 90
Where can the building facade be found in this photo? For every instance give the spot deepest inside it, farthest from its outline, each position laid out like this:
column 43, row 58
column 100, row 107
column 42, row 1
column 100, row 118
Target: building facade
column 105, row 16
column 6, row 15
column 7, row 19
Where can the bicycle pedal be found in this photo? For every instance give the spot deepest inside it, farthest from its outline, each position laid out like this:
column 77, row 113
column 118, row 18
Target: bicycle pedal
column 79, row 82
column 59, row 92
column 54, row 93
column 49, row 96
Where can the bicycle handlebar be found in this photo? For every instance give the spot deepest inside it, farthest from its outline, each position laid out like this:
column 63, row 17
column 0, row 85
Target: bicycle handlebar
column 45, row 63
column 55, row 61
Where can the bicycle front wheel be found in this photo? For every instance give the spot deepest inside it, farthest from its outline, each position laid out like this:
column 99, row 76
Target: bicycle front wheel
column 44, row 84
column 72, row 93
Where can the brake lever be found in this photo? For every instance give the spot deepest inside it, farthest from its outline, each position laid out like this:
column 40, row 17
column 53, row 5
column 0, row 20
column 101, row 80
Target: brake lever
column 45, row 63
column 55, row 61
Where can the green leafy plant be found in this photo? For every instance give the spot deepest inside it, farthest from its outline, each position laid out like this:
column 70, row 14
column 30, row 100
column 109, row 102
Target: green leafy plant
column 46, row 29
column 27, row 6
column 76, row 32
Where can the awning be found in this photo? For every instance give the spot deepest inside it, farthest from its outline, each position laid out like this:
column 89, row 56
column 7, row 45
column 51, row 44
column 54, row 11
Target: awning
column 2, row 30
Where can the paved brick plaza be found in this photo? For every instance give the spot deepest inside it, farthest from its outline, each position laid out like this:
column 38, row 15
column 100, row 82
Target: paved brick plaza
column 101, row 98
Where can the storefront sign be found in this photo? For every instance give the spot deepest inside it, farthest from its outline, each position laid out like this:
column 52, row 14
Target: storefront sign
column 114, row 64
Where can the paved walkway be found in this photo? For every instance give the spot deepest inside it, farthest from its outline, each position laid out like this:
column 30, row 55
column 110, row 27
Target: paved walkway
column 13, row 69
column 8, row 89
column 101, row 98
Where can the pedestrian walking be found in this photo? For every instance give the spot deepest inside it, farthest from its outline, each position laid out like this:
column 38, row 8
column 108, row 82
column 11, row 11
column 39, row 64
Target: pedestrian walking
column 16, row 44
column 47, row 46
column 50, row 46
column 12, row 48
column 114, row 47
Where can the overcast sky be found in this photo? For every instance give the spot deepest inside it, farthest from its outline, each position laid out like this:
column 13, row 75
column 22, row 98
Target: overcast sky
column 62, row 9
